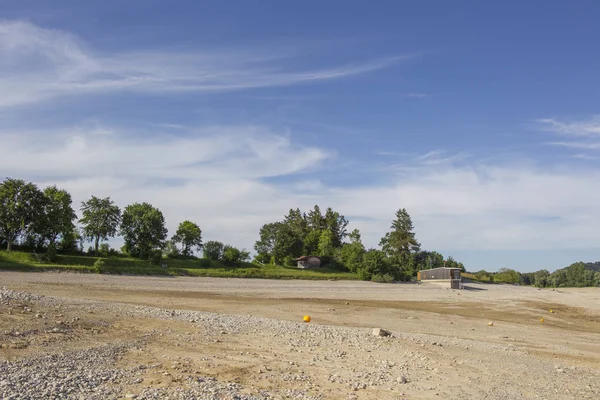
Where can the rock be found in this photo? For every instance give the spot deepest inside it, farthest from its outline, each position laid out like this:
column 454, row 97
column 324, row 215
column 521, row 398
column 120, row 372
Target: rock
column 402, row 380
column 130, row 396
column 381, row 332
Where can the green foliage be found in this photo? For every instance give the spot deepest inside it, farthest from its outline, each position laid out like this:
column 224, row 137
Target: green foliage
column 326, row 243
column 21, row 205
column 351, row 256
column 57, row 216
column 170, row 250
column 98, row 264
column 71, row 241
column 101, row 218
column 375, row 262
column 189, row 236
column 400, row 243
column 213, row 250
column 382, row 278
column 155, row 256
column 234, row 256
column 231, row 255
column 506, row 275
column 301, row 234
column 143, row 230
column 265, row 245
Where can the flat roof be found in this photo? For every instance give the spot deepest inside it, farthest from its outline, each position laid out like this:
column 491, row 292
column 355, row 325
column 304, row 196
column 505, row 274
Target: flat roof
column 434, row 269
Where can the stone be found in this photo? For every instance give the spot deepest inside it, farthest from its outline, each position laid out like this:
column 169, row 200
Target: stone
column 381, row 332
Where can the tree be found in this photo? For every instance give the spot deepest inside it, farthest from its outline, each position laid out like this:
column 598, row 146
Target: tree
column 311, row 242
column 231, row 255
column 336, row 223
column 170, row 250
column 400, row 242
column 101, row 218
column 355, row 236
column 597, row 279
column 266, row 244
column 506, row 275
column 375, row 262
column 20, row 206
column 326, row 241
column 57, row 217
column 288, row 244
column 189, row 236
column 143, row 230
column 575, row 274
column 213, row 250
column 71, row 241
column 540, row 278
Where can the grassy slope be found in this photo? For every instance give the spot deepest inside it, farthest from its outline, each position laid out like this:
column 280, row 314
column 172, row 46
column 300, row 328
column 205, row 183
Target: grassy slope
column 23, row 261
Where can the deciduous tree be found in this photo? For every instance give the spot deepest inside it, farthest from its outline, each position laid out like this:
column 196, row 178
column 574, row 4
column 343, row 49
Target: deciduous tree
column 20, row 206
column 189, row 236
column 101, row 218
column 143, row 229
column 213, row 250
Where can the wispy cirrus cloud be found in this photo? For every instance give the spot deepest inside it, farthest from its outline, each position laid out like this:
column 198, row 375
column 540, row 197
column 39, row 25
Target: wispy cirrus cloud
column 586, row 128
column 37, row 64
column 585, row 134
column 578, row 145
column 416, row 95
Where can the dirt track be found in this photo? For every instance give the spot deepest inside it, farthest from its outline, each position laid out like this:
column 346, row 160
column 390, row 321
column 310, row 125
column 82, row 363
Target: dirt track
column 517, row 357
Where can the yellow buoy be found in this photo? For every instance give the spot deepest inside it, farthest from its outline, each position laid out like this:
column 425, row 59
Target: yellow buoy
column 551, row 311
column 306, row 318
column 541, row 319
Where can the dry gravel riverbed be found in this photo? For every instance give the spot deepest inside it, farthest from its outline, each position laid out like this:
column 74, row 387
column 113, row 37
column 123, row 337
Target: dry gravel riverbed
column 79, row 336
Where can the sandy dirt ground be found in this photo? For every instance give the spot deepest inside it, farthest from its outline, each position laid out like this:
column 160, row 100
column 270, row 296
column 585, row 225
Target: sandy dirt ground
column 443, row 342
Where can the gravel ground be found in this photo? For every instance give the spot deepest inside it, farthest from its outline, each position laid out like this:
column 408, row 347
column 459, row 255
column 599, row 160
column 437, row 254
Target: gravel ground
column 102, row 349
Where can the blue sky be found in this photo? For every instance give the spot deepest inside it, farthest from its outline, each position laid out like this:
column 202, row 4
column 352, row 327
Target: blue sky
column 481, row 118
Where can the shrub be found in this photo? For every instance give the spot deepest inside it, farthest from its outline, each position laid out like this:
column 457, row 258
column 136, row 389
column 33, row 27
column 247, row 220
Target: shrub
column 205, row 262
column 382, row 278
column 98, row 265
column 155, row 257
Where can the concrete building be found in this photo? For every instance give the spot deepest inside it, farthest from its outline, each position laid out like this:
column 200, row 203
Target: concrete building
column 449, row 277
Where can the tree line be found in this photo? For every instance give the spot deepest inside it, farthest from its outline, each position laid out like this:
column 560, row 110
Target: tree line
column 578, row 274
column 325, row 234
column 45, row 219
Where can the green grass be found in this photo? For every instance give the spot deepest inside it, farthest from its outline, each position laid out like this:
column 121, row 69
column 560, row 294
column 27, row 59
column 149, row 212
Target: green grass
column 22, row 261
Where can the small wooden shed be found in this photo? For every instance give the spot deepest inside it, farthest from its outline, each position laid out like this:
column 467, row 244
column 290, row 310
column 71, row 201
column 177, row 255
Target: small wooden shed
column 306, row 262
column 444, row 276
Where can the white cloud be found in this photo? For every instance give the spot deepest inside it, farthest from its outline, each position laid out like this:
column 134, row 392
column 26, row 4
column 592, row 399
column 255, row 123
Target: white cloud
column 578, row 145
column 38, row 64
column 587, row 128
column 214, row 175
column 416, row 95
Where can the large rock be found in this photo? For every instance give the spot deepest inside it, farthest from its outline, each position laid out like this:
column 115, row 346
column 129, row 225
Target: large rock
column 381, row 332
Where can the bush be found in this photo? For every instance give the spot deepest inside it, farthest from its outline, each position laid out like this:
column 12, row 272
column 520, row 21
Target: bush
column 155, row 257
column 98, row 265
column 382, row 278
column 205, row 262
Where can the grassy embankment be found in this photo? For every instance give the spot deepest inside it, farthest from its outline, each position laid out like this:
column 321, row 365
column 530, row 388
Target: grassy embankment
column 23, row 261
